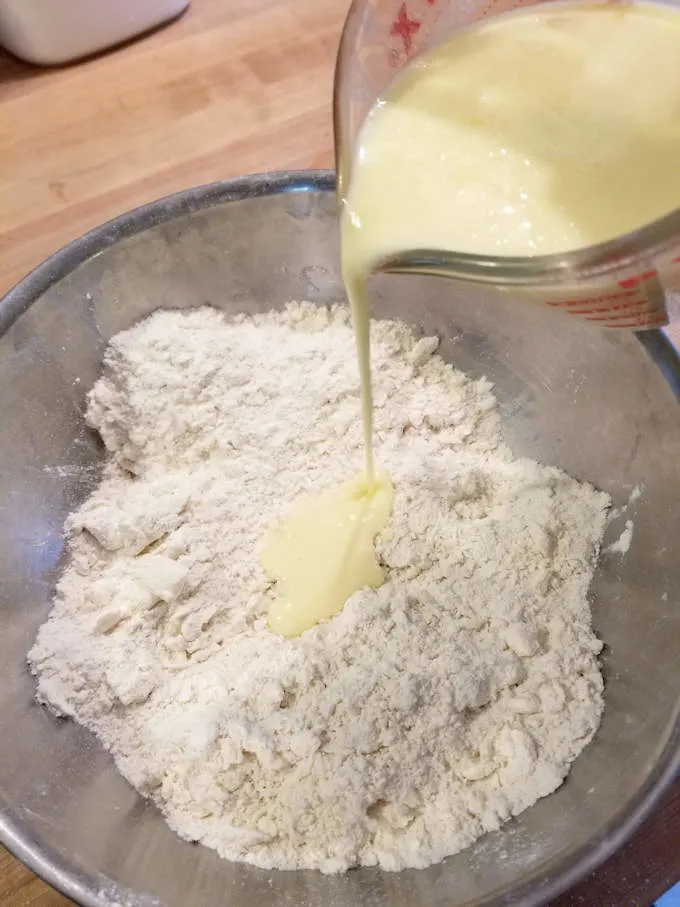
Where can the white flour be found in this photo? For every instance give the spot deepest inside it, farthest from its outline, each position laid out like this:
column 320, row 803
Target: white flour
column 428, row 711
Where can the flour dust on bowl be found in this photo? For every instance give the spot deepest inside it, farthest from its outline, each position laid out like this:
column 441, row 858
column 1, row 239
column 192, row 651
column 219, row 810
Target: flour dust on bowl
column 601, row 407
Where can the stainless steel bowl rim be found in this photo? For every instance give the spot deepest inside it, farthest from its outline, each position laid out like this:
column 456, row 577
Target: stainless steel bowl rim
column 87, row 888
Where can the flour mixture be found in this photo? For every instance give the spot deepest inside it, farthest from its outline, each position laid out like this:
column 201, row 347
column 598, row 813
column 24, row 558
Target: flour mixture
column 425, row 713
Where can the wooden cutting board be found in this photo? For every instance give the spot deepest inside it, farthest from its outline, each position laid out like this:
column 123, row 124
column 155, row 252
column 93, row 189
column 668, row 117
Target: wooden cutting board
column 230, row 88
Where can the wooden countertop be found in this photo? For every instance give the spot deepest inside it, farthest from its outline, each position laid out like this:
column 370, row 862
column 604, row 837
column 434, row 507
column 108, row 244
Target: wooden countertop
column 230, row 88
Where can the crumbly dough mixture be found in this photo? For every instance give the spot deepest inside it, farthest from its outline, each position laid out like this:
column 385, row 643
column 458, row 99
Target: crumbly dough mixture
column 428, row 711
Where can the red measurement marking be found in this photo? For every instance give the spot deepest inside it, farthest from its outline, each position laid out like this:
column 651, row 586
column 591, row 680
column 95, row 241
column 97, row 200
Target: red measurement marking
column 653, row 319
column 430, row 2
column 634, row 281
column 608, row 297
column 610, row 309
column 676, row 260
column 620, row 317
column 405, row 28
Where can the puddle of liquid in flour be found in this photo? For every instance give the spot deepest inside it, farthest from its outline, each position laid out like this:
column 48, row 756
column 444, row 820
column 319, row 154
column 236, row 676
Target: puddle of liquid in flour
column 323, row 552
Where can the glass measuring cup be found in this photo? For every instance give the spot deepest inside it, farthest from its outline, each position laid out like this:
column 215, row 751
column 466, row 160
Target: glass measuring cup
column 623, row 283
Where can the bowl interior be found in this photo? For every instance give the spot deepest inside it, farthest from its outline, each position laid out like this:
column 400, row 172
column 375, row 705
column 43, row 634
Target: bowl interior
column 592, row 402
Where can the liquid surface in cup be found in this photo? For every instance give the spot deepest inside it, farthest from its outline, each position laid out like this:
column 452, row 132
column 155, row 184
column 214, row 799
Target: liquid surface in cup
column 537, row 132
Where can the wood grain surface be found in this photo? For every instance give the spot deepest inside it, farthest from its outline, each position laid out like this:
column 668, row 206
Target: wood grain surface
column 230, row 88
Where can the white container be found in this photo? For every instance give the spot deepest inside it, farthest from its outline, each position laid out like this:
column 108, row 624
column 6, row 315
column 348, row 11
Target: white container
column 48, row 32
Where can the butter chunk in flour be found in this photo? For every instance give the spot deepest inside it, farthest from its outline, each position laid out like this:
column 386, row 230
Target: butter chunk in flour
column 424, row 714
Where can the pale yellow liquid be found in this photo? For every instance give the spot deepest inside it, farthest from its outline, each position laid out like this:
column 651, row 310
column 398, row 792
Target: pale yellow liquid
column 535, row 133
column 323, row 552
column 357, row 291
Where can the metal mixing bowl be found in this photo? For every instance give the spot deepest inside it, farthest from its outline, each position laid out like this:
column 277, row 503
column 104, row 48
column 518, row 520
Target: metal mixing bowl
column 600, row 405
